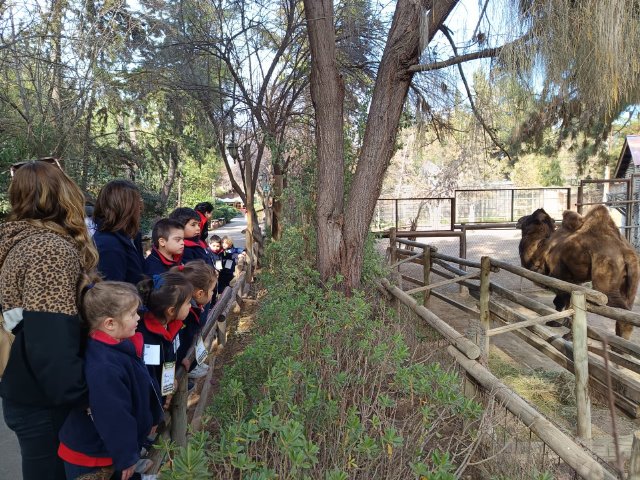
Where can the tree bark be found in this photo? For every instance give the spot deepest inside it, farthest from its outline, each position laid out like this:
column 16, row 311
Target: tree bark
column 390, row 92
column 327, row 96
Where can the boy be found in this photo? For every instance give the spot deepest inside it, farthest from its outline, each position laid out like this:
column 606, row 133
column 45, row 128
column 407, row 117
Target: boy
column 226, row 260
column 168, row 246
column 205, row 211
column 194, row 247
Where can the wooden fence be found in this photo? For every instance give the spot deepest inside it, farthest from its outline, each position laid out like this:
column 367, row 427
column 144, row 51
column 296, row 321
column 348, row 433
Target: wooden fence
column 176, row 420
column 583, row 356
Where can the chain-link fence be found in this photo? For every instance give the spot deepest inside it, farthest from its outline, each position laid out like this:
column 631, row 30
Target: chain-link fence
column 413, row 214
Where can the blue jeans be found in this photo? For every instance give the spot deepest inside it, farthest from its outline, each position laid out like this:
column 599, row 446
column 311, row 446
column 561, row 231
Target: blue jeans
column 37, row 431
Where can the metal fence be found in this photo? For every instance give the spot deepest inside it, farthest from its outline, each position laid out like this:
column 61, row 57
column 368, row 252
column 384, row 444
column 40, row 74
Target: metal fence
column 467, row 206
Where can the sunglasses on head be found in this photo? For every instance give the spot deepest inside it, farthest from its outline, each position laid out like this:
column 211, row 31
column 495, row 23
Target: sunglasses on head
column 49, row 160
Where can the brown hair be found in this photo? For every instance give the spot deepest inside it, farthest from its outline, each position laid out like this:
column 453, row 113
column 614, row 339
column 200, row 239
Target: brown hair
column 161, row 292
column 199, row 273
column 119, row 207
column 43, row 195
column 107, row 299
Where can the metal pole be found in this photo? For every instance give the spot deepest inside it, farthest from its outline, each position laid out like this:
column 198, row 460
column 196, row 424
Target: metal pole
column 396, row 206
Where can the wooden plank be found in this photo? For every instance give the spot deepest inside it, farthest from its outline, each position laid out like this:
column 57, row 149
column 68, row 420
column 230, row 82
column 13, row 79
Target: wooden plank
column 594, row 296
column 459, row 261
column 426, row 271
column 461, row 306
column 405, row 260
column 581, row 364
column 179, row 413
column 620, row 314
column 571, row 453
column 442, row 283
column 634, row 458
column 528, row 323
column 485, row 316
column 631, row 363
column 456, row 338
column 620, row 344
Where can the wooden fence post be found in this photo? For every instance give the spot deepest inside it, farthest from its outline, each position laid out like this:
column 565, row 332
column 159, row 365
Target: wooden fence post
column 179, row 413
column 581, row 364
column 634, row 460
column 426, row 270
column 485, row 315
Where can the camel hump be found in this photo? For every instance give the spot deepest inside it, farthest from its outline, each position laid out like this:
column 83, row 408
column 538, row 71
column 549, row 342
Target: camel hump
column 598, row 218
column 571, row 220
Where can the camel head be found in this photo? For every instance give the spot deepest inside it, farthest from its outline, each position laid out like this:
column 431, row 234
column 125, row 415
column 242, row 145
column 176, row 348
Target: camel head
column 539, row 222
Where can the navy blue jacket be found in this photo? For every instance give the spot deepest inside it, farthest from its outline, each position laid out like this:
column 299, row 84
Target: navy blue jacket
column 157, row 264
column 120, row 257
column 124, row 403
column 226, row 261
column 154, row 333
column 192, row 326
column 196, row 249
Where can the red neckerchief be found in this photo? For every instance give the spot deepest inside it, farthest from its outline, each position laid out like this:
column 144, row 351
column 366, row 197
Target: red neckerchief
column 198, row 243
column 197, row 311
column 169, row 263
column 154, row 326
column 137, row 340
column 203, row 219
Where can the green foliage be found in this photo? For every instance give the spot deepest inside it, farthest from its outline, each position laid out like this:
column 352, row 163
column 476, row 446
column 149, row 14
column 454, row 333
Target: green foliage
column 223, row 210
column 318, row 391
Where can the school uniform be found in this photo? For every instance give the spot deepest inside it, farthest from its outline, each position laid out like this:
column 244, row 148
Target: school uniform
column 196, row 249
column 120, row 257
column 226, row 261
column 160, row 344
column 192, row 326
column 124, row 405
column 157, row 264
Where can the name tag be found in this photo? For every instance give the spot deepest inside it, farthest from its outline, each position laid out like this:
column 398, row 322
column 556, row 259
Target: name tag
column 201, row 351
column 176, row 343
column 228, row 264
column 168, row 378
column 151, row 354
column 218, row 264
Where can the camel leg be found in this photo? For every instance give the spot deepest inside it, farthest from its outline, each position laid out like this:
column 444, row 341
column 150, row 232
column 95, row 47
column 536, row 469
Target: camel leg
column 624, row 330
column 562, row 301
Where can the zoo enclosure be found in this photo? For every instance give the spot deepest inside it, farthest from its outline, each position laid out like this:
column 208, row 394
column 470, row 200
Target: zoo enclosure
column 468, row 206
column 584, row 355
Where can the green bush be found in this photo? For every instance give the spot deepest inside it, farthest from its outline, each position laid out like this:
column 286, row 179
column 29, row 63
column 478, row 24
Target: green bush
column 223, row 210
column 330, row 388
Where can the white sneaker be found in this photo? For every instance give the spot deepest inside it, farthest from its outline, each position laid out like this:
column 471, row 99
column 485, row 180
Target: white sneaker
column 200, row 371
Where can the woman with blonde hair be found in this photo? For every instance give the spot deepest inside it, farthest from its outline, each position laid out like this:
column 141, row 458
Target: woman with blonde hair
column 117, row 215
column 46, row 257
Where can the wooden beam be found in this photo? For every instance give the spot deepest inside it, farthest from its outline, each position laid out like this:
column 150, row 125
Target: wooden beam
column 405, row 260
column 443, row 283
column 618, row 314
column 571, row 453
column 594, row 296
column 465, row 308
column 530, row 322
column 459, row 261
column 485, row 316
column 452, row 335
column 581, row 364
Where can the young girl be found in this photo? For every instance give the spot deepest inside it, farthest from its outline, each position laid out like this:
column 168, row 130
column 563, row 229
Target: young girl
column 124, row 401
column 227, row 258
column 167, row 300
column 203, row 277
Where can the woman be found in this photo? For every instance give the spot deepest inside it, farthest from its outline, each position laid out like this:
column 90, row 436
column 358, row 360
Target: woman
column 45, row 252
column 117, row 215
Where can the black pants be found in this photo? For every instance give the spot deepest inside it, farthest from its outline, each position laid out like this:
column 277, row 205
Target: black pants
column 37, row 431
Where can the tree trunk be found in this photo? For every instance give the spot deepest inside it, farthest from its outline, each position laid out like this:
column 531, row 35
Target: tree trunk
column 342, row 233
column 327, row 96
column 276, row 209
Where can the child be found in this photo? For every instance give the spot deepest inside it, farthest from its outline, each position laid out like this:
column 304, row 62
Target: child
column 168, row 244
column 167, row 299
column 194, row 248
column 124, row 401
column 204, row 211
column 229, row 258
column 203, row 277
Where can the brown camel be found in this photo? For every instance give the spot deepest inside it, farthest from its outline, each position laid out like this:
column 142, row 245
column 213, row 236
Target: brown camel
column 582, row 249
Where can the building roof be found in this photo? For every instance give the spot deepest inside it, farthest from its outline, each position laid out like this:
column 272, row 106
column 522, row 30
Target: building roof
column 630, row 151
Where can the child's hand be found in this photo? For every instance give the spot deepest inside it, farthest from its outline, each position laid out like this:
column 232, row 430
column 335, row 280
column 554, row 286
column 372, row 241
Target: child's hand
column 186, row 364
column 128, row 473
column 167, row 402
column 153, row 431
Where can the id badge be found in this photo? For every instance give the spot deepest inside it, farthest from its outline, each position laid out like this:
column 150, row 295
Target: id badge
column 201, row 351
column 218, row 265
column 176, row 343
column 228, row 264
column 151, row 354
column 168, row 378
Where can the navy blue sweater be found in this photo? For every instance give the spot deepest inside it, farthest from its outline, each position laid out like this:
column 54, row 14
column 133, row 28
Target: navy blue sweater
column 124, row 402
column 157, row 264
column 120, row 256
column 196, row 249
column 155, row 334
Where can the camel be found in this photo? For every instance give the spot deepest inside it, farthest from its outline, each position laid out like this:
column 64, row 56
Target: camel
column 584, row 248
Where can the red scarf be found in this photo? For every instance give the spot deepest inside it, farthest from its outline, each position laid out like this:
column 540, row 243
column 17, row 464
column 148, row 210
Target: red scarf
column 137, row 340
column 198, row 243
column 165, row 261
column 154, row 326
